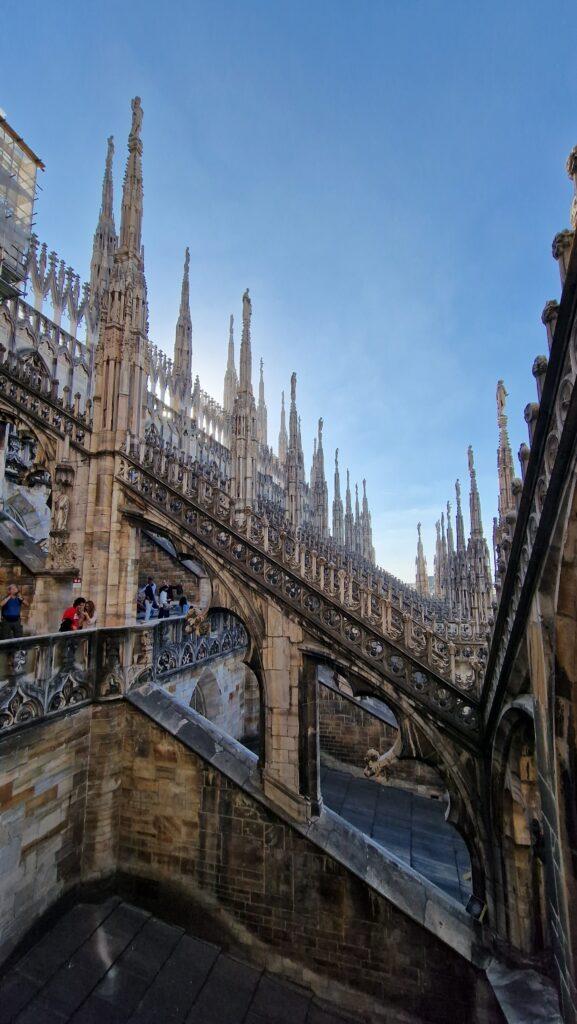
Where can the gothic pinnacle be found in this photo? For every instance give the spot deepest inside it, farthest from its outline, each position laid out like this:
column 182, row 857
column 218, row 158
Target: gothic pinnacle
column 131, row 218
column 293, row 417
column 338, row 525
column 474, row 499
column 460, row 524
column 103, row 247
column 107, row 209
column 261, row 414
column 183, row 336
column 282, row 437
column 245, row 369
column 230, row 376
column 421, row 575
column 505, row 468
column 450, row 539
column 185, row 289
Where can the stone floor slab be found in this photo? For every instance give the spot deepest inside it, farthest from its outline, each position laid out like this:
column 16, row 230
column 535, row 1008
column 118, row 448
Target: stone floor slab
column 128, row 967
column 227, row 994
column 280, row 1004
column 15, row 992
column 410, row 826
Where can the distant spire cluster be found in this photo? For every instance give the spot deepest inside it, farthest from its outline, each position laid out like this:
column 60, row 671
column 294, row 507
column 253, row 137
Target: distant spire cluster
column 462, row 574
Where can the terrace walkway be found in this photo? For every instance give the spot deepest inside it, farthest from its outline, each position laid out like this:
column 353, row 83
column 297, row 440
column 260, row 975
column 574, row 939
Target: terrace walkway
column 410, row 826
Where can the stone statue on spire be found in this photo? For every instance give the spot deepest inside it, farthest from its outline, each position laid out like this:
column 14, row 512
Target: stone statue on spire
column 137, row 114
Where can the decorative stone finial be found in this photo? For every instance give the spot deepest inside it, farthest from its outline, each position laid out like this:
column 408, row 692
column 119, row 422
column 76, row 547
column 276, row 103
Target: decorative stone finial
column 137, row 115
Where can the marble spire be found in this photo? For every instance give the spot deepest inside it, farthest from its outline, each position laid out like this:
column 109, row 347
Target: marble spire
column 474, row 499
column 183, row 336
column 338, row 522
column 349, row 519
column 122, row 354
column 421, row 574
column 505, row 469
column 459, row 520
column 282, row 436
column 261, row 411
column 104, row 245
column 245, row 369
column 132, row 192
column 244, row 434
column 230, row 376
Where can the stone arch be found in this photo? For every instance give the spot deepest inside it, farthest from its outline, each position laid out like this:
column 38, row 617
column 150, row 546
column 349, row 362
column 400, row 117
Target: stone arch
column 219, row 592
column 420, row 739
column 206, row 697
column 516, row 807
column 252, row 682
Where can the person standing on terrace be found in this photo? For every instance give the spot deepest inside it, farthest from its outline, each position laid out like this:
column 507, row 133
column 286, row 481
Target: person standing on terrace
column 11, row 623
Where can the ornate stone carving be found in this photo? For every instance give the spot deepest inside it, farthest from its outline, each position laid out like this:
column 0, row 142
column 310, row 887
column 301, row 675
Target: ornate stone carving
column 62, row 553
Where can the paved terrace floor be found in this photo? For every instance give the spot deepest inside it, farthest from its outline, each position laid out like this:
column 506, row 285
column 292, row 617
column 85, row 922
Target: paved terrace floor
column 410, row 826
column 112, row 963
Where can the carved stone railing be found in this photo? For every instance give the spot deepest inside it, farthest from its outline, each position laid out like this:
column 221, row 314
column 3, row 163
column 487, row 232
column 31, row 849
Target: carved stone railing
column 330, row 600
column 28, row 391
column 42, row 676
column 29, row 320
column 552, row 431
column 176, row 650
column 52, row 279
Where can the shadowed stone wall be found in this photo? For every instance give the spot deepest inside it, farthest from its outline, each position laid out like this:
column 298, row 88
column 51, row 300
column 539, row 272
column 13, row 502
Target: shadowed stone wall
column 197, row 834
column 43, row 777
column 106, row 792
column 347, row 732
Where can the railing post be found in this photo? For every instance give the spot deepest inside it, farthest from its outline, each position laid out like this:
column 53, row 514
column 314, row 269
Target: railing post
column 341, row 575
column 309, row 745
column 322, row 571
column 407, row 629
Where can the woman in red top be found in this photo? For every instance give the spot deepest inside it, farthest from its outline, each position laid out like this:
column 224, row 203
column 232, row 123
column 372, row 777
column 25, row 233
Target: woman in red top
column 73, row 617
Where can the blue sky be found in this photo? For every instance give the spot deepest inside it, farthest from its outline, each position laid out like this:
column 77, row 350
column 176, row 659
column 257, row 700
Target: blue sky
column 385, row 176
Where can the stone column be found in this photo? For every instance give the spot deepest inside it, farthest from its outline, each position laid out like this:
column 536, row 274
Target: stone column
column 282, row 664
column 53, row 591
column 112, row 549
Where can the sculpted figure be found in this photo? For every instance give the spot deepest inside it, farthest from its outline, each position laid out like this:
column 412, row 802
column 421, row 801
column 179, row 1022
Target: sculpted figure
column 61, row 510
column 137, row 114
column 197, row 622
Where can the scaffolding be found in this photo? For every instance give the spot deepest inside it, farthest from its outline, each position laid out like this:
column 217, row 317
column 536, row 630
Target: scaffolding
column 18, row 170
